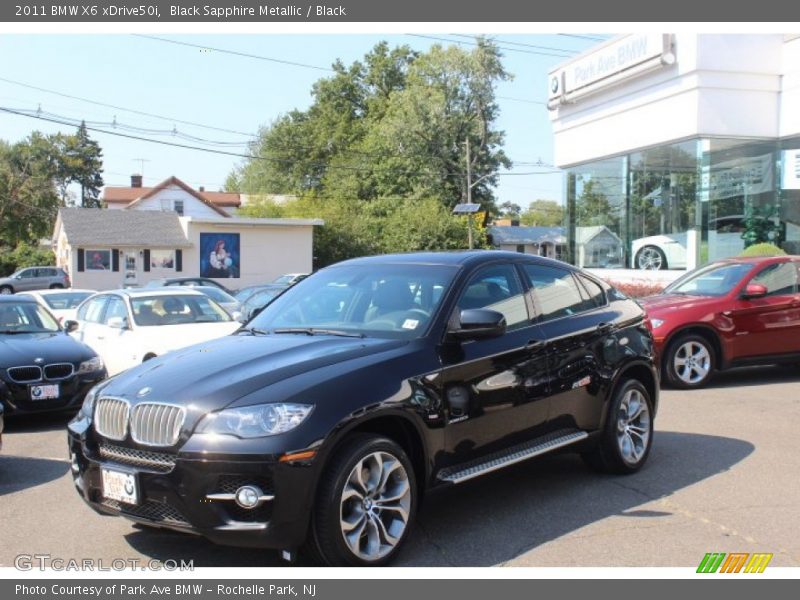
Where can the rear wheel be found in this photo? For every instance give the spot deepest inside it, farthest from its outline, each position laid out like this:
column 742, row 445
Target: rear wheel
column 366, row 504
column 6, row 289
column 628, row 436
column 689, row 362
column 651, row 258
column 56, row 286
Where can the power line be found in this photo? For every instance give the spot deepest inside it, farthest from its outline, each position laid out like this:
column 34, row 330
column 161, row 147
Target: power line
column 522, row 44
column 122, row 108
column 234, row 53
column 583, row 37
column 449, row 41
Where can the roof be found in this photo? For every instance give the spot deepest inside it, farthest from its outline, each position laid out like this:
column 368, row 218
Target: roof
column 457, row 258
column 133, row 195
column 512, row 234
column 584, row 235
column 14, row 298
column 140, row 292
column 283, row 222
column 97, row 227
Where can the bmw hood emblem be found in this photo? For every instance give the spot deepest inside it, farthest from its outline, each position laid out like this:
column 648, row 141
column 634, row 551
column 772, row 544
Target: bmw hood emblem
column 143, row 392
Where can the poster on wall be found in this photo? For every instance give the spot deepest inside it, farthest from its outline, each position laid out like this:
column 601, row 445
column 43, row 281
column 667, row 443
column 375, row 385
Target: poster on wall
column 219, row 255
column 98, row 260
column 791, row 169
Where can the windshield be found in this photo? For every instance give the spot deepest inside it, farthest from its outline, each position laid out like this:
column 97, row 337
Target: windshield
column 65, row 300
column 374, row 300
column 180, row 309
column 25, row 317
column 716, row 279
column 217, row 294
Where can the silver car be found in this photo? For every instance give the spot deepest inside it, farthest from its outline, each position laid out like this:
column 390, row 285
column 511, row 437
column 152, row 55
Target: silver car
column 34, row 278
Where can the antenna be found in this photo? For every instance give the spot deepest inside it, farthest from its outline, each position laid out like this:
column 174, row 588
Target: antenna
column 141, row 162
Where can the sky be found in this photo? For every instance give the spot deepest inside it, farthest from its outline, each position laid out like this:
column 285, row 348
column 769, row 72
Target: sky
column 218, row 100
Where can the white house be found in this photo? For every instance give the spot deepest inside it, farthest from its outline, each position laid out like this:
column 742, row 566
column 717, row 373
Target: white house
column 105, row 249
column 174, row 195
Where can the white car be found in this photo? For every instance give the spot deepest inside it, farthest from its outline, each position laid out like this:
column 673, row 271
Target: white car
column 128, row 327
column 669, row 251
column 63, row 304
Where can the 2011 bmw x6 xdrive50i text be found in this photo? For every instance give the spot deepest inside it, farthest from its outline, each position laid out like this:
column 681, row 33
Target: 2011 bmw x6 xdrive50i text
column 323, row 421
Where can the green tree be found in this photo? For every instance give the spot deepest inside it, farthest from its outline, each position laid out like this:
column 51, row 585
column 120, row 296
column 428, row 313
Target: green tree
column 28, row 198
column 82, row 164
column 543, row 213
column 594, row 208
column 510, row 210
column 393, row 125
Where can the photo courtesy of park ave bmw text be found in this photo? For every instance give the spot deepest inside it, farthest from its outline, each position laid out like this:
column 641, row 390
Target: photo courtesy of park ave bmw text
column 357, row 299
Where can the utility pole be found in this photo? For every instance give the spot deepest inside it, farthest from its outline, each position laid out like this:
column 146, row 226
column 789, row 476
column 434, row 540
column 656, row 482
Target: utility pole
column 469, row 195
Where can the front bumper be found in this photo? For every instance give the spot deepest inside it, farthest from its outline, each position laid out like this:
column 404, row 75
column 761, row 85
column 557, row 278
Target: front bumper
column 173, row 491
column 16, row 399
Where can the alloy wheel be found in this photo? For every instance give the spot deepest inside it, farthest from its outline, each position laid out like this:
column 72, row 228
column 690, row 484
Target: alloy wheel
column 649, row 259
column 375, row 506
column 633, row 427
column 692, row 362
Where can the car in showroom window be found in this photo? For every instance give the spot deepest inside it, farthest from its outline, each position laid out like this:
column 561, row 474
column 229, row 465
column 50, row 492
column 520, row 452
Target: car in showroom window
column 323, row 421
column 730, row 313
column 128, row 327
column 41, row 367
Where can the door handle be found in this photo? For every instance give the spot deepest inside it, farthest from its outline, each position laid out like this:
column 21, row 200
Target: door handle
column 535, row 345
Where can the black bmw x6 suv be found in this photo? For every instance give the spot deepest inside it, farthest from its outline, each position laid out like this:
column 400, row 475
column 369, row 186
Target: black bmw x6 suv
column 323, row 421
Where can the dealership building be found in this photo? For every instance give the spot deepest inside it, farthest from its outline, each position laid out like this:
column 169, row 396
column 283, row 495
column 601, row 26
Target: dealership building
column 686, row 147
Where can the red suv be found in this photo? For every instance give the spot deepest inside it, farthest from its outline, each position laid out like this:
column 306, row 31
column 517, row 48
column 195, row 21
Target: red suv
column 730, row 313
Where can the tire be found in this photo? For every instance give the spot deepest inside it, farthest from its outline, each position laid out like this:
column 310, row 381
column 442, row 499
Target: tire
column 341, row 504
column 6, row 289
column 625, row 443
column 56, row 286
column 651, row 258
column 689, row 362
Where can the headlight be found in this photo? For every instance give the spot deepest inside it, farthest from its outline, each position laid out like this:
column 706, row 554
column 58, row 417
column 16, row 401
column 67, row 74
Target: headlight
column 88, row 402
column 656, row 323
column 255, row 421
column 91, row 365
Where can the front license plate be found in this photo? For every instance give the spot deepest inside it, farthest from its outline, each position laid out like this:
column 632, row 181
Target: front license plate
column 120, row 486
column 45, row 392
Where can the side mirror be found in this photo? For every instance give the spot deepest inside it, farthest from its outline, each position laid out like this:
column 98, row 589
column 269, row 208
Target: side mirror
column 118, row 322
column 754, row 290
column 70, row 326
column 478, row 324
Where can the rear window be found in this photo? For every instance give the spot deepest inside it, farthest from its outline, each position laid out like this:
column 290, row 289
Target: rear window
column 65, row 301
column 557, row 293
column 176, row 310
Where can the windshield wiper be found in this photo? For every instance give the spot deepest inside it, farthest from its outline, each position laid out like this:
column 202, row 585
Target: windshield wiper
column 14, row 331
column 253, row 331
column 315, row 331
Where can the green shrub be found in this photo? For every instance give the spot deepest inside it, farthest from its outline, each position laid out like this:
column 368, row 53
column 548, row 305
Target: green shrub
column 763, row 249
column 24, row 255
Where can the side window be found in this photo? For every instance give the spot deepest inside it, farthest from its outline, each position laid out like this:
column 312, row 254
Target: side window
column 779, row 279
column 556, row 291
column 497, row 287
column 116, row 308
column 594, row 293
column 92, row 310
column 28, row 273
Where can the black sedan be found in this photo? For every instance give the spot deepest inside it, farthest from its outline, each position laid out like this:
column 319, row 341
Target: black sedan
column 324, row 421
column 42, row 368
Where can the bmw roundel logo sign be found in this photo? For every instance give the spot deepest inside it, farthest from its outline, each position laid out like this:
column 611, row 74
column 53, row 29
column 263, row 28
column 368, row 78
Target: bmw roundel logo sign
column 554, row 85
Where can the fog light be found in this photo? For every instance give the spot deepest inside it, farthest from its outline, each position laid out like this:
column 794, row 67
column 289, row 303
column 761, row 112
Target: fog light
column 248, row 496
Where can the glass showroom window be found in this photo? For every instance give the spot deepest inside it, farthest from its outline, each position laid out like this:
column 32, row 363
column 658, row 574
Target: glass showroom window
column 596, row 194
column 664, row 225
column 742, row 206
column 790, row 195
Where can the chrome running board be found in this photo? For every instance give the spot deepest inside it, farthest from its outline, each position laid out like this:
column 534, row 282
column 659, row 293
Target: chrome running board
column 510, row 456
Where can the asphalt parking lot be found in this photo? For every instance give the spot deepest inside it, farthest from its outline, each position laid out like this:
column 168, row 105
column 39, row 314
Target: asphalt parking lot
column 722, row 477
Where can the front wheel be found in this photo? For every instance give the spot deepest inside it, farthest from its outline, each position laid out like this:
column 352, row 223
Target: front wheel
column 628, row 436
column 6, row 289
column 651, row 258
column 689, row 362
column 366, row 504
